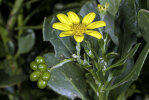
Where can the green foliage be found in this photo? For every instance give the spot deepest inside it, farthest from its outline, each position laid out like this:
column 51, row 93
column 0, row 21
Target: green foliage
column 128, row 70
column 105, row 69
column 63, row 47
column 123, row 59
column 4, row 35
column 134, row 73
column 65, row 81
column 26, row 41
column 12, row 80
column 143, row 18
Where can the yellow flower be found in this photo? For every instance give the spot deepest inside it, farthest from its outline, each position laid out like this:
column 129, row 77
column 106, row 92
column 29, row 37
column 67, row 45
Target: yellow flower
column 71, row 25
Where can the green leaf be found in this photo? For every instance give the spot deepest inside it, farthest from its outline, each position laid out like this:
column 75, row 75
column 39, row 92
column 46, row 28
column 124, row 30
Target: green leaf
column 88, row 7
column 110, row 28
column 122, row 97
column 67, row 80
column 2, row 50
column 135, row 71
column 114, row 6
column 5, row 65
column 128, row 18
column 123, row 72
column 111, row 55
column 128, row 14
column 63, row 47
column 4, row 35
column 143, row 19
column 123, row 59
column 26, row 42
column 140, row 61
column 7, row 80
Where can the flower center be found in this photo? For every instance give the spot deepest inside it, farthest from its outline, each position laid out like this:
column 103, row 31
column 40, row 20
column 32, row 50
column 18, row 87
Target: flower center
column 78, row 29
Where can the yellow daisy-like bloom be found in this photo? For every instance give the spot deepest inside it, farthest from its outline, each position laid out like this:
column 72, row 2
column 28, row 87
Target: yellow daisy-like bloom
column 72, row 26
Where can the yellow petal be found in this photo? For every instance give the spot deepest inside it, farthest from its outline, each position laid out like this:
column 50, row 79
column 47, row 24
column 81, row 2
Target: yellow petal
column 67, row 33
column 61, row 26
column 64, row 19
column 73, row 17
column 96, row 24
column 89, row 18
column 94, row 34
column 79, row 38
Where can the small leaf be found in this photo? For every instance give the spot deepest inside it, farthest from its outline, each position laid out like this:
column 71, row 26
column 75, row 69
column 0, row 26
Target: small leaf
column 67, row 80
column 123, row 59
column 26, row 42
column 135, row 72
column 4, row 35
column 111, row 55
column 143, row 18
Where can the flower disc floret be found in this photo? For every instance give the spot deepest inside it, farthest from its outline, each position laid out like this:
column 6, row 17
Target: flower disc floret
column 71, row 25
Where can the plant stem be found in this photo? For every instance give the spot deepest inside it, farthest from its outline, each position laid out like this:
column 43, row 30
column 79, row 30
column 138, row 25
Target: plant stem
column 102, row 96
column 14, row 13
column 78, row 48
column 29, row 27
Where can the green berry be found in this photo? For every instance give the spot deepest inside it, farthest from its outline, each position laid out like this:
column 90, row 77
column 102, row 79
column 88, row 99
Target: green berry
column 46, row 76
column 34, row 76
column 42, row 67
column 39, row 60
column 41, row 83
column 33, row 65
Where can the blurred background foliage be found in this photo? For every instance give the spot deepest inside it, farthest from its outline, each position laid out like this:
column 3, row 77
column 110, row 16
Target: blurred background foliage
column 21, row 41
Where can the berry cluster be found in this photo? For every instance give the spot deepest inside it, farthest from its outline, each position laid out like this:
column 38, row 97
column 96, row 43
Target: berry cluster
column 40, row 73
